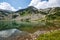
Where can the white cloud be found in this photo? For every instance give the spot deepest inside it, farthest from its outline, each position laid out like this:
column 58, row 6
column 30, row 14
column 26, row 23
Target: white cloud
column 6, row 6
column 34, row 2
column 19, row 7
column 44, row 4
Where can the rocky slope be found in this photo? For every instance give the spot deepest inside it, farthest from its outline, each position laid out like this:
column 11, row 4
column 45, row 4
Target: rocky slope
column 30, row 13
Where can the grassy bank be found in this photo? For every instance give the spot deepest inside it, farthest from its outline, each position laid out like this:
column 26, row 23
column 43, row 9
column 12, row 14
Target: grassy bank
column 50, row 36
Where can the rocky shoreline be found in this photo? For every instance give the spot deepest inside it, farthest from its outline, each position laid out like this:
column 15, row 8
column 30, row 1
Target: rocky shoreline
column 14, row 34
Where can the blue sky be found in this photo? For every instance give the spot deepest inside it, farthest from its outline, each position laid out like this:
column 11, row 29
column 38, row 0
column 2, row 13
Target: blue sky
column 20, row 4
column 17, row 3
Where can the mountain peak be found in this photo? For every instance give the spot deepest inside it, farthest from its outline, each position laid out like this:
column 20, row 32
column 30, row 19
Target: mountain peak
column 32, row 7
column 28, row 8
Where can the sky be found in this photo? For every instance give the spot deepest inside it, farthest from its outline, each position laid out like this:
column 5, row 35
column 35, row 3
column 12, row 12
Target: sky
column 15, row 5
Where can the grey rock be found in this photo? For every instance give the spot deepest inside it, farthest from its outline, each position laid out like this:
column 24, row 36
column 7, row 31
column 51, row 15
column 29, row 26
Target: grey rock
column 14, row 34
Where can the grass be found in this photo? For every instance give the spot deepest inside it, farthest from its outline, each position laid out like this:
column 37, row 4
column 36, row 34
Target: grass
column 50, row 36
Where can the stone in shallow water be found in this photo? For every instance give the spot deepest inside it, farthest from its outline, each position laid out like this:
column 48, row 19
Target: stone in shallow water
column 14, row 34
column 7, row 33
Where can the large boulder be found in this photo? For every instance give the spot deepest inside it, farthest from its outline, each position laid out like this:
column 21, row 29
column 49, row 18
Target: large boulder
column 14, row 34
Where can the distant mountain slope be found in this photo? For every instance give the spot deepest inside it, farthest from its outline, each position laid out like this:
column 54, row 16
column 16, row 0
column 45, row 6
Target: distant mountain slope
column 30, row 14
column 54, row 13
column 4, row 14
column 29, row 10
